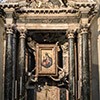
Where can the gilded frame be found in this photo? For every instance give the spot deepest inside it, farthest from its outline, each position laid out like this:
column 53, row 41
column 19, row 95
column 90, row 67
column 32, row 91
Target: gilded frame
column 46, row 59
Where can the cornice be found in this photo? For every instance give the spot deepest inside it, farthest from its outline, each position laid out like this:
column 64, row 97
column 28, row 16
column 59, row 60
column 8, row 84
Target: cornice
column 75, row 9
column 70, row 8
column 85, row 4
column 48, row 11
column 9, row 5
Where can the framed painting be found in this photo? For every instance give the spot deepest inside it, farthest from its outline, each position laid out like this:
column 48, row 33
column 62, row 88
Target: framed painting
column 46, row 59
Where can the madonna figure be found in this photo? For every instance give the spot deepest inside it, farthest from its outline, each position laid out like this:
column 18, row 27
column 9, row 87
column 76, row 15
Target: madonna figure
column 47, row 61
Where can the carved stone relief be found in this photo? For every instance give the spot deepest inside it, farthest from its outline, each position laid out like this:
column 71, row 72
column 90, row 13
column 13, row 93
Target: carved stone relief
column 65, row 56
column 48, row 93
column 47, row 3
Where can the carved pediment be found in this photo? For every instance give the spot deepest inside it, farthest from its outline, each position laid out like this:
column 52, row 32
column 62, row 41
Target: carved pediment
column 39, row 3
column 46, row 3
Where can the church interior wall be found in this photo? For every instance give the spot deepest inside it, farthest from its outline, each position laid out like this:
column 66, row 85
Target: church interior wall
column 94, row 56
column 1, row 59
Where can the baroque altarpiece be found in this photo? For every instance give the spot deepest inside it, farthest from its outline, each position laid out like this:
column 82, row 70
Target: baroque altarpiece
column 47, row 49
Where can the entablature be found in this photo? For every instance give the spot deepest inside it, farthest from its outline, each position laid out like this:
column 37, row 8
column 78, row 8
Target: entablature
column 73, row 12
column 44, row 26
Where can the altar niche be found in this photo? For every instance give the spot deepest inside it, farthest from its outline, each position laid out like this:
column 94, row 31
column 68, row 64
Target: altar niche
column 47, row 65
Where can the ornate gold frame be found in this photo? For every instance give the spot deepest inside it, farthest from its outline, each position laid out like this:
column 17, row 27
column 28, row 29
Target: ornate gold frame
column 46, row 59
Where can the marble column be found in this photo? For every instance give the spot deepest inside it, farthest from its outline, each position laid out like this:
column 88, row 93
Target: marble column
column 71, row 65
column 99, row 60
column 8, row 64
column 13, row 63
column 21, row 65
column 80, row 49
column 99, row 51
column 85, row 65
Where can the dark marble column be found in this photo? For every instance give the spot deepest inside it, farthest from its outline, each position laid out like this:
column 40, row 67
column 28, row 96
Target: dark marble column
column 13, row 63
column 8, row 64
column 21, row 65
column 85, row 66
column 71, row 65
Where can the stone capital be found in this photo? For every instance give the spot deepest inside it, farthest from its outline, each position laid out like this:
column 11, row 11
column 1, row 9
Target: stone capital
column 22, row 31
column 9, row 28
column 72, row 28
column 70, row 34
column 84, row 28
